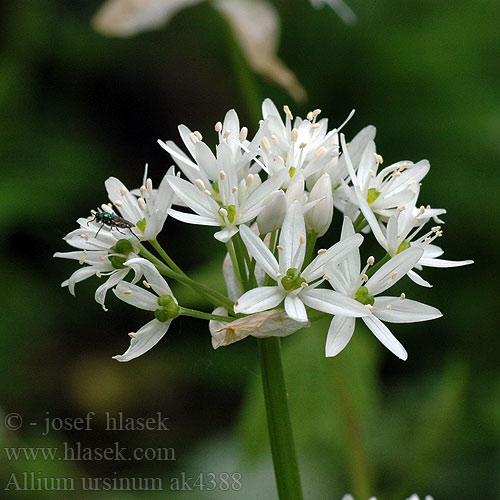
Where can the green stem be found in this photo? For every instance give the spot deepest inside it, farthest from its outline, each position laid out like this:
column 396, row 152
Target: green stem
column 216, row 298
column 193, row 313
column 310, row 244
column 237, row 262
column 166, row 257
column 360, row 223
column 286, row 467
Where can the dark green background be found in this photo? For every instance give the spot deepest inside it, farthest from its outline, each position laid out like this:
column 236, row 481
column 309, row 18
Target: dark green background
column 77, row 107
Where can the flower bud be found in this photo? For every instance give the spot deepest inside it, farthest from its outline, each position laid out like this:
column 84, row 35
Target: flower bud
column 272, row 215
column 319, row 218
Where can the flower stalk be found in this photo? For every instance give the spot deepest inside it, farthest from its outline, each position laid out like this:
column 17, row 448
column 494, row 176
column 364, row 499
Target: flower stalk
column 286, row 467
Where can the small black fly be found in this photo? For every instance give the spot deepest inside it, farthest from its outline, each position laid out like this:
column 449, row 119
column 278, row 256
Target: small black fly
column 112, row 221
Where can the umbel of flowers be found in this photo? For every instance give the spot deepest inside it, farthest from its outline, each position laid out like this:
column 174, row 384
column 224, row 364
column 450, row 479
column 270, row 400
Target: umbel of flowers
column 270, row 199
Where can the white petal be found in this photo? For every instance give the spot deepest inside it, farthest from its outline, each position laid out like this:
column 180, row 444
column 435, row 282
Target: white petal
column 332, row 302
column 155, row 280
column 193, row 218
column 403, row 311
column 336, row 253
column 295, row 308
column 416, row 278
column 385, row 336
column 259, row 251
column 146, row 338
column 136, row 296
column 197, row 201
column 259, row 299
column 115, row 277
column 399, row 264
column 443, row 262
column 292, row 231
column 79, row 275
column 339, row 334
column 206, row 161
column 226, row 233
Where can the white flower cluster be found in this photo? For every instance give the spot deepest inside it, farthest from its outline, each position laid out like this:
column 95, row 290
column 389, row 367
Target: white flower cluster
column 270, row 199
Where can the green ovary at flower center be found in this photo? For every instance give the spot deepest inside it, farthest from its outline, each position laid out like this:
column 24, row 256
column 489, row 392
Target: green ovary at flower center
column 292, row 280
column 372, row 195
column 141, row 224
column 403, row 246
column 364, row 297
column 291, row 172
column 169, row 308
column 231, row 212
column 123, row 247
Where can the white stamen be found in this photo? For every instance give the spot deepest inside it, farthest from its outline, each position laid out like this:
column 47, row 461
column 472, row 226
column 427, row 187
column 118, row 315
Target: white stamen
column 288, row 113
column 193, row 138
column 302, row 145
column 280, row 248
column 302, row 240
column 369, row 306
column 234, row 189
column 218, row 127
column 249, row 180
column 107, row 208
column 222, row 175
column 198, row 135
column 243, row 133
column 132, row 334
column 226, row 134
column 321, row 250
column 123, row 190
column 82, row 259
column 223, row 212
column 402, row 296
column 327, row 277
column 266, row 144
column 389, row 306
column 207, row 192
column 365, row 277
column 146, row 284
column 118, row 203
column 378, row 158
column 372, row 173
column 393, row 274
column 314, row 125
column 98, row 274
column 370, row 261
column 149, row 185
column 142, row 204
column 304, row 284
column 128, row 292
column 274, row 139
column 401, row 208
column 143, row 190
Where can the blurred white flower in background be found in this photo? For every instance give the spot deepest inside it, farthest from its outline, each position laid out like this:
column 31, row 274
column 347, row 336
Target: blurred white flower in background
column 255, row 24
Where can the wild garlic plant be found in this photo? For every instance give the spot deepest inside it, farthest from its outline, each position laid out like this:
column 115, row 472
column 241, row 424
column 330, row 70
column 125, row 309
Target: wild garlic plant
column 270, row 198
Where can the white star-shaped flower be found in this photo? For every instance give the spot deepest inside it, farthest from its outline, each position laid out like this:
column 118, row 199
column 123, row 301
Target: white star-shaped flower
column 162, row 303
column 294, row 286
column 146, row 207
column 101, row 255
column 347, row 279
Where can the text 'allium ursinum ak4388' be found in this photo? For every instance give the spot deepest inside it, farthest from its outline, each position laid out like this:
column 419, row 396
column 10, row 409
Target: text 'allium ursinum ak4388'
column 271, row 197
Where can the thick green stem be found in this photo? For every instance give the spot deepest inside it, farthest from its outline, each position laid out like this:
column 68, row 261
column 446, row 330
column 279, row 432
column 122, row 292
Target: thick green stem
column 216, row 298
column 164, row 255
column 193, row 313
column 286, row 468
